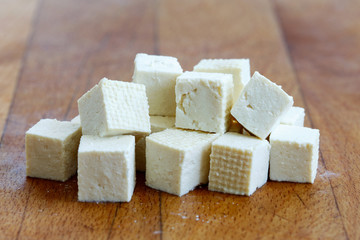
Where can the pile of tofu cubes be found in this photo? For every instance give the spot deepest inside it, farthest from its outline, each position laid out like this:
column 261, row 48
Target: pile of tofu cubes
column 212, row 125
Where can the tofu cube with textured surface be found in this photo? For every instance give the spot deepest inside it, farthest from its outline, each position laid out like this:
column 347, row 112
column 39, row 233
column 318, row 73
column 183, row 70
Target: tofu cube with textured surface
column 203, row 101
column 51, row 149
column 106, row 168
column 178, row 160
column 261, row 106
column 158, row 123
column 239, row 164
column 239, row 68
column 158, row 74
column 113, row 108
column 294, row 117
column 294, row 154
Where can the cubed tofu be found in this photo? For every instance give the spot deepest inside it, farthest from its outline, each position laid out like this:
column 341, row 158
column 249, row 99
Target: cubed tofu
column 178, row 160
column 106, row 168
column 239, row 68
column 158, row 123
column 294, row 154
column 294, row 117
column 113, row 108
column 203, row 101
column 158, row 74
column 51, row 149
column 239, row 164
column 261, row 106
column 76, row 119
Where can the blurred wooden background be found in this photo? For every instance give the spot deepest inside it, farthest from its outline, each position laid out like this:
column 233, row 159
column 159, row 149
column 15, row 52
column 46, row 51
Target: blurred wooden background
column 51, row 52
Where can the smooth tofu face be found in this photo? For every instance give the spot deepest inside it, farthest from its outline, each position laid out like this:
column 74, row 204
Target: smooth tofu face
column 51, row 149
column 239, row 68
column 113, row 108
column 239, row 164
column 106, row 168
column 294, row 154
column 177, row 160
column 158, row 123
column 261, row 106
column 158, row 74
column 203, row 101
column 294, row 117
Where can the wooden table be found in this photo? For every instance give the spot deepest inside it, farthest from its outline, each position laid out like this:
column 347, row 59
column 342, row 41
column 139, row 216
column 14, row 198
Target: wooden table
column 51, row 52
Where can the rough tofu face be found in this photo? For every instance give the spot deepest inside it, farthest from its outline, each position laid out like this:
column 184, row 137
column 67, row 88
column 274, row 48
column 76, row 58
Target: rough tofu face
column 113, row 108
column 239, row 68
column 178, row 160
column 294, row 154
column 239, row 164
column 158, row 124
column 51, row 149
column 294, row 117
column 158, row 74
column 261, row 106
column 203, row 101
column 106, row 168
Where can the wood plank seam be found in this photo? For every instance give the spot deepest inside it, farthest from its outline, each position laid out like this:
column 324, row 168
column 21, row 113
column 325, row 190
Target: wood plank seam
column 291, row 61
column 113, row 221
column 34, row 23
column 23, row 60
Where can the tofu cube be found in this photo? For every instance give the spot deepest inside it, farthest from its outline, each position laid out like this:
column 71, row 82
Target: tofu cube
column 158, row 74
column 294, row 154
column 178, row 160
column 114, row 107
column 76, row 119
column 106, row 168
column 158, row 123
column 203, row 101
column 239, row 68
column 239, row 164
column 261, row 106
column 51, row 149
column 294, row 117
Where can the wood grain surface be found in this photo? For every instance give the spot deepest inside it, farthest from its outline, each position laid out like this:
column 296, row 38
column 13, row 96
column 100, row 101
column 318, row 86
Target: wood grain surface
column 52, row 52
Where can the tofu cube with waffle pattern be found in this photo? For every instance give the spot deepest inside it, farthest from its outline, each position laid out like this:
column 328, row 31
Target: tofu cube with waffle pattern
column 238, row 164
column 113, row 108
column 178, row 160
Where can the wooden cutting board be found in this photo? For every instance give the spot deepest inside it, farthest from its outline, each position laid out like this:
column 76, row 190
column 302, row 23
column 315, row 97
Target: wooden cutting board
column 51, row 52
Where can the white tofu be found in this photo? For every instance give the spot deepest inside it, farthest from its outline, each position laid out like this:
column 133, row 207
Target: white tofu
column 238, row 164
column 294, row 117
column 294, row 154
column 113, row 108
column 239, row 68
column 76, row 120
column 158, row 123
column 158, row 74
column 106, row 168
column 261, row 106
column 203, row 101
column 51, row 149
column 178, row 160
